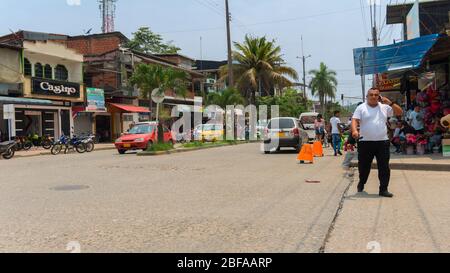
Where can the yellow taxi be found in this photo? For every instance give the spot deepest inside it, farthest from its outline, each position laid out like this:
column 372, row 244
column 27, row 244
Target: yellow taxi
column 212, row 132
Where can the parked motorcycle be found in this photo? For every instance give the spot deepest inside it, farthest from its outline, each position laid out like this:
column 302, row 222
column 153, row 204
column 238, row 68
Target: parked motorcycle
column 7, row 149
column 68, row 144
column 89, row 141
column 45, row 141
column 23, row 143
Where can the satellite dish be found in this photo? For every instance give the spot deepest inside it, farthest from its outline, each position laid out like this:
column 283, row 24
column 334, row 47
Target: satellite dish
column 157, row 96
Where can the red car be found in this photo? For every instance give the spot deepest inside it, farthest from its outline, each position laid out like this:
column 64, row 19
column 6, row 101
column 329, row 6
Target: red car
column 141, row 137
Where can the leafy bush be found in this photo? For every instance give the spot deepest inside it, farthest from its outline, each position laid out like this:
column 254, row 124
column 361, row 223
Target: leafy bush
column 160, row 147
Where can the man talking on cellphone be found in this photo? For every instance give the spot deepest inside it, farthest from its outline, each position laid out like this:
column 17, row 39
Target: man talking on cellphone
column 371, row 117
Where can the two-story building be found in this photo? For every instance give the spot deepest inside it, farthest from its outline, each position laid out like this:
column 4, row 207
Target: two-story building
column 108, row 65
column 49, row 82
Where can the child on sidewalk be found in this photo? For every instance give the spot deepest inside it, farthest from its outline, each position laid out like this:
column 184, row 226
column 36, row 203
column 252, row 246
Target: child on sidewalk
column 351, row 153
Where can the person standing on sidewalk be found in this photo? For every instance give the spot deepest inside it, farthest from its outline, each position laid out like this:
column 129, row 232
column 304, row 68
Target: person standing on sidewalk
column 319, row 126
column 336, row 133
column 372, row 118
column 416, row 121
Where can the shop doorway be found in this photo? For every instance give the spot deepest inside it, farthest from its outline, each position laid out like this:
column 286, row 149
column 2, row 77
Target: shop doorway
column 65, row 122
column 33, row 123
column 103, row 128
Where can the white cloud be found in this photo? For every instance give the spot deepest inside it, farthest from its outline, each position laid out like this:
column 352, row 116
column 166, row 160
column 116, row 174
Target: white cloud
column 73, row 2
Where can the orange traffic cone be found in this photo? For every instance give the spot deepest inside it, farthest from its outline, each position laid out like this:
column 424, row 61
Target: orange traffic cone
column 318, row 149
column 306, row 154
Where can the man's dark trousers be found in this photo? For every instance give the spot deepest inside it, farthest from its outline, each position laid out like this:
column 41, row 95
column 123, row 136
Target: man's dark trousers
column 367, row 150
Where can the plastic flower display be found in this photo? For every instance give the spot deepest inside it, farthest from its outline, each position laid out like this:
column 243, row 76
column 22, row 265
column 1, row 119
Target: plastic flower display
column 411, row 139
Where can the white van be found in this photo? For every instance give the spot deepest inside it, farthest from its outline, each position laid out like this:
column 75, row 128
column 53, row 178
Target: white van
column 307, row 120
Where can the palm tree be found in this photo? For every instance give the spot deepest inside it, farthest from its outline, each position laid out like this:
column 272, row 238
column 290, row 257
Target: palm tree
column 148, row 77
column 229, row 96
column 259, row 67
column 323, row 84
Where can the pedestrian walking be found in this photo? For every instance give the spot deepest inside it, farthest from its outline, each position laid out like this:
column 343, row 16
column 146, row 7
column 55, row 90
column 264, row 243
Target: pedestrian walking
column 336, row 132
column 319, row 126
column 372, row 118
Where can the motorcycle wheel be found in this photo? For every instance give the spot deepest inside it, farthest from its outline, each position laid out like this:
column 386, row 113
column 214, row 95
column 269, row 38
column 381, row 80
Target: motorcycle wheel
column 56, row 149
column 27, row 146
column 80, row 148
column 9, row 154
column 90, row 147
column 46, row 144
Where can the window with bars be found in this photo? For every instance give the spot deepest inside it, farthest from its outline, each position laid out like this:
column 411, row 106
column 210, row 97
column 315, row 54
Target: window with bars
column 38, row 70
column 27, row 67
column 48, row 72
column 61, row 73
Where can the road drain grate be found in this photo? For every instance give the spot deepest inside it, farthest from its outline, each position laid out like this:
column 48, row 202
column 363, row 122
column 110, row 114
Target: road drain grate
column 70, row 188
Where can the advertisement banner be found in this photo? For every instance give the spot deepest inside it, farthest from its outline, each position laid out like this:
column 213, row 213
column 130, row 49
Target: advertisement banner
column 95, row 100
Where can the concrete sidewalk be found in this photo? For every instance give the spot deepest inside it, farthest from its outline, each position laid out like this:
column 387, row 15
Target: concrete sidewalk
column 35, row 151
column 430, row 162
column 417, row 219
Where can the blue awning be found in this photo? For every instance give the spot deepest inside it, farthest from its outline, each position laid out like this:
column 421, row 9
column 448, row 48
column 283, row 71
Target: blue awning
column 400, row 56
column 25, row 101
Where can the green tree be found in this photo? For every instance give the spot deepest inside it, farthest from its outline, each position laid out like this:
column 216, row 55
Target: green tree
column 149, row 77
column 146, row 41
column 259, row 67
column 323, row 84
column 291, row 103
column 229, row 96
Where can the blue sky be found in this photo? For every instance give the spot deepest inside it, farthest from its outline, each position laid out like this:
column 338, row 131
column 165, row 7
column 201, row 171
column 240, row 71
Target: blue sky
column 330, row 28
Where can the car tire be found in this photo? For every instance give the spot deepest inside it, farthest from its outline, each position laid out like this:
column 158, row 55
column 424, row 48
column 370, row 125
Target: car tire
column 298, row 148
column 149, row 145
column 266, row 152
column 121, row 152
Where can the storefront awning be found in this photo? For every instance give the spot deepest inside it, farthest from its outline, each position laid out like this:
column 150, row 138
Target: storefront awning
column 400, row 56
column 129, row 108
column 24, row 101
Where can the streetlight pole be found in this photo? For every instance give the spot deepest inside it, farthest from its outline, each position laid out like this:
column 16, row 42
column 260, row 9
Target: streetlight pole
column 230, row 60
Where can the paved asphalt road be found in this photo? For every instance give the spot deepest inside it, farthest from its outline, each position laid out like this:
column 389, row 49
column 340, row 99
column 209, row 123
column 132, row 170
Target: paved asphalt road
column 230, row 199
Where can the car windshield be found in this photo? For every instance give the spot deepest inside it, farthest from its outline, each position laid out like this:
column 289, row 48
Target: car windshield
column 141, row 129
column 262, row 123
column 212, row 127
column 283, row 124
column 308, row 119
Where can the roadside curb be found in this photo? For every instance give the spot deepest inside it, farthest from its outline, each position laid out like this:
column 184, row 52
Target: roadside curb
column 49, row 153
column 183, row 150
column 413, row 166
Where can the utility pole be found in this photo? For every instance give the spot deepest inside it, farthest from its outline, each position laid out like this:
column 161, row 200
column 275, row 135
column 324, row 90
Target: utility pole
column 230, row 60
column 303, row 57
column 374, row 38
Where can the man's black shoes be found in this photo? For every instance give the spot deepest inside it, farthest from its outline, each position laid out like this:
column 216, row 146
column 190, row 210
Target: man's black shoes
column 360, row 188
column 339, row 152
column 386, row 194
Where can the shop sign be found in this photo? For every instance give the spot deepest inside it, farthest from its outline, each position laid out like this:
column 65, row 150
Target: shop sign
column 8, row 111
column 95, row 100
column 32, row 113
column 55, row 88
column 385, row 83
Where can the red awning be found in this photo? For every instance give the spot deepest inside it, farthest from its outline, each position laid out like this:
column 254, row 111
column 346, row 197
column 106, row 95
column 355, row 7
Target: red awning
column 130, row 108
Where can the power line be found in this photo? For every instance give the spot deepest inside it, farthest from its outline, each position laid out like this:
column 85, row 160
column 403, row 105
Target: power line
column 265, row 22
